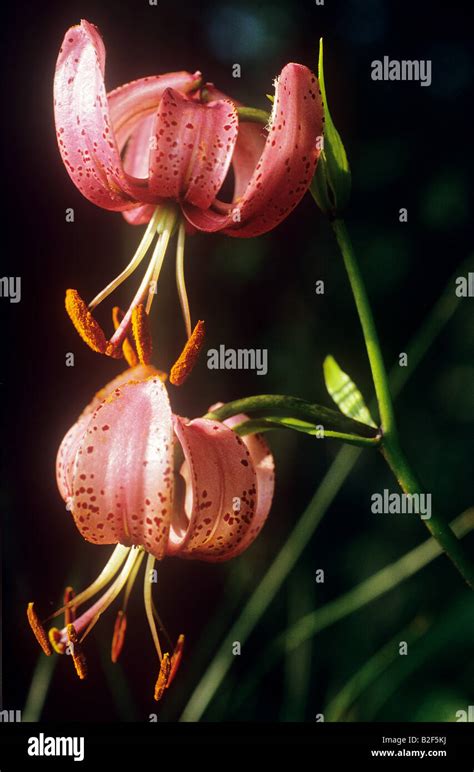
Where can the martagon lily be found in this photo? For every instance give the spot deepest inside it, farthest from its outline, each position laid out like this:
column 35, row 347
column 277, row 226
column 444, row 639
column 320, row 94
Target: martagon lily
column 135, row 475
column 159, row 150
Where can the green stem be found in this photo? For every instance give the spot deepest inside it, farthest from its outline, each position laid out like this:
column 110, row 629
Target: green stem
column 390, row 444
column 379, row 373
column 440, row 530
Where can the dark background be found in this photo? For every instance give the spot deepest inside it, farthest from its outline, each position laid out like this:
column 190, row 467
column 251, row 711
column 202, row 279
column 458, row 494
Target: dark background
column 409, row 147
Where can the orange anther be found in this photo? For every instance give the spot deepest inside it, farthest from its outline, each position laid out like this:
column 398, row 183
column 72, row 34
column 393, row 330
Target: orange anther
column 127, row 347
column 75, row 650
column 189, row 355
column 176, row 659
column 141, row 334
column 70, row 612
column 119, row 635
column 90, row 331
column 38, row 629
column 163, row 677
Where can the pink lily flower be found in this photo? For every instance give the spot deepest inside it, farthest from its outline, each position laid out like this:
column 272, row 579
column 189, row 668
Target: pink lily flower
column 159, row 149
column 135, row 475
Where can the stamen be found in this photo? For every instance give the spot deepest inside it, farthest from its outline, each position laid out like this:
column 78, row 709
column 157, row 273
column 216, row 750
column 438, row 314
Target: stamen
column 176, row 659
column 161, row 626
column 164, row 225
column 131, row 579
column 121, row 621
column 38, row 629
column 87, row 327
column 141, row 334
column 70, row 613
column 142, row 292
column 90, row 617
column 149, row 605
column 119, row 635
column 189, row 355
column 76, row 652
column 159, row 256
column 134, row 262
column 128, row 350
column 180, row 280
column 163, row 676
column 108, row 572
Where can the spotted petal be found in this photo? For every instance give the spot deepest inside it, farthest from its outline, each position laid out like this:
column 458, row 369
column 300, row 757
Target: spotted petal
column 223, row 514
column 286, row 166
column 91, row 132
column 248, row 148
column 264, row 464
column 67, row 449
column 122, row 477
column 86, row 140
column 193, row 148
column 130, row 103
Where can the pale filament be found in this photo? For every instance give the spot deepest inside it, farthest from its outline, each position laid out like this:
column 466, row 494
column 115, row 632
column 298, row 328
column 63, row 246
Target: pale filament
column 131, row 580
column 149, row 604
column 180, row 280
column 158, row 257
column 142, row 249
column 108, row 572
column 91, row 616
column 144, row 288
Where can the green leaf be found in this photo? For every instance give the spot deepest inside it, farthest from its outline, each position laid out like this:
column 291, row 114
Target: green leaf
column 270, row 411
column 345, row 393
column 260, row 425
column 331, row 185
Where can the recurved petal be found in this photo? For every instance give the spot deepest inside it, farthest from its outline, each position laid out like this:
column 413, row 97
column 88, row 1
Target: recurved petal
column 264, row 465
column 286, row 166
column 192, row 149
column 85, row 135
column 248, row 148
column 221, row 502
column 129, row 103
